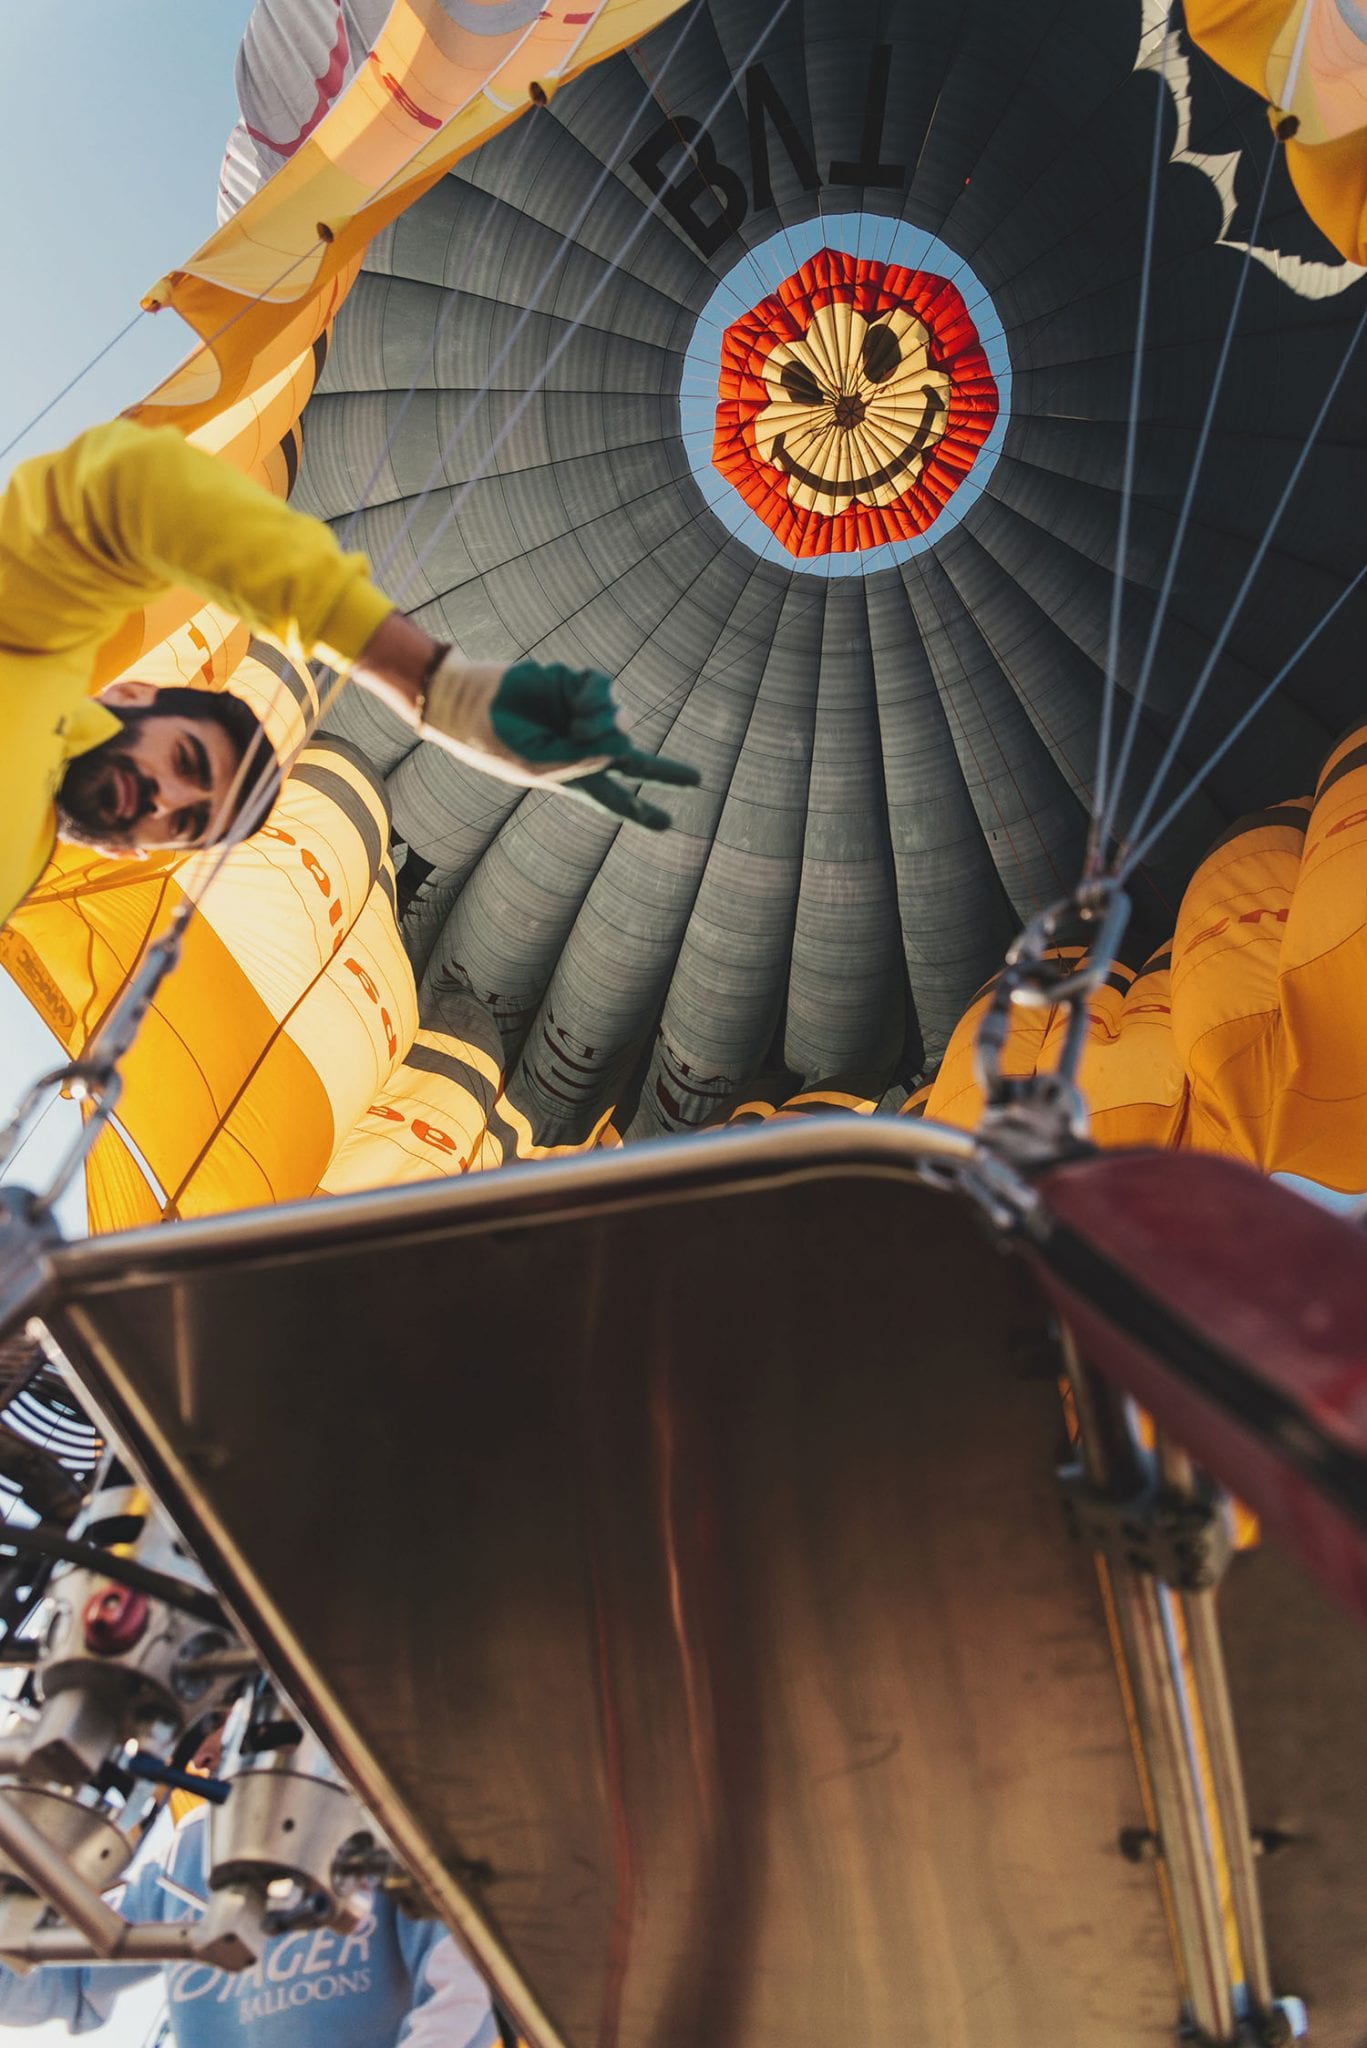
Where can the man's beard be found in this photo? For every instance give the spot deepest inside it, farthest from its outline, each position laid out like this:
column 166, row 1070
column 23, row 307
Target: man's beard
column 102, row 796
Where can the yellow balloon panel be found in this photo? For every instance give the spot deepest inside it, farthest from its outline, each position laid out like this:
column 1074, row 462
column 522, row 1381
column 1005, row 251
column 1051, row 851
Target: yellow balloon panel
column 118, row 1194
column 442, row 1112
column 1308, row 59
column 291, row 1005
column 437, row 1116
column 1245, row 1036
column 267, row 283
column 1317, row 1123
column 1225, row 998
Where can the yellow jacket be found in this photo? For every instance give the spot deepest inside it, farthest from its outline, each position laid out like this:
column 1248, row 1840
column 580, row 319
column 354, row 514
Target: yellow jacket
column 93, row 533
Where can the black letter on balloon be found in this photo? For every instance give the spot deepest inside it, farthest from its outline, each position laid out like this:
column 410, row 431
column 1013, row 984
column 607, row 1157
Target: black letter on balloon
column 868, row 170
column 705, row 173
column 761, row 98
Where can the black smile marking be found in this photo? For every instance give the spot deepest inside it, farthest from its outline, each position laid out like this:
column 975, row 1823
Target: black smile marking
column 781, row 459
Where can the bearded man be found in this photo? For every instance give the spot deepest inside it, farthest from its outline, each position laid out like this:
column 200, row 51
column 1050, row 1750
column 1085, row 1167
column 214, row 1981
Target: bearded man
column 94, row 533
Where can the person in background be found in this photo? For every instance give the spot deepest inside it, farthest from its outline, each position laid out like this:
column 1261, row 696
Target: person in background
column 90, row 535
column 393, row 1982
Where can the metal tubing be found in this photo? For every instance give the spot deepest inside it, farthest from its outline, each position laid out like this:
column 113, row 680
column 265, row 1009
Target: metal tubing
column 157, row 1942
column 1211, row 1683
column 1176, row 1792
column 1227, row 1780
column 706, row 1166
column 44, row 1867
column 219, row 1664
column 1105, row 1443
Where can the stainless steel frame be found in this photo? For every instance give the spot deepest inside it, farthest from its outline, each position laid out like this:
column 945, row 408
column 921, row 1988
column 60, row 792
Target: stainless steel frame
column 666, row 1544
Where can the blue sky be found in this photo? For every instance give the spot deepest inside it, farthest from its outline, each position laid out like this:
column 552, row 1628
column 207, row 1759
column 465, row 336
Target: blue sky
column 114, row 121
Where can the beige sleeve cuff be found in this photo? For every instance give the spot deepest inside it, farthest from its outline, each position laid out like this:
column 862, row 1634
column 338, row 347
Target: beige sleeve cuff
column 456, row 716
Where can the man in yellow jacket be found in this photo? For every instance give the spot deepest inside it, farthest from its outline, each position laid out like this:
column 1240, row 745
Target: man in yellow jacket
column 90, row 535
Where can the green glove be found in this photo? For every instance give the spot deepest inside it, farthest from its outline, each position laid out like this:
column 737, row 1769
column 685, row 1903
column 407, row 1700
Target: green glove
column 536, row 724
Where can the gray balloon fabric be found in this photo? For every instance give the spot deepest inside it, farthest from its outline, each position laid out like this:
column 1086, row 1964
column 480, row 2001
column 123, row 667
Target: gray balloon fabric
column 896, row 763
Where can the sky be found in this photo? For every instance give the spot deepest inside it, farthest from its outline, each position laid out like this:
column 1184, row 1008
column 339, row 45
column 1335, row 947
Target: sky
column 113, row 119
column 113, row 123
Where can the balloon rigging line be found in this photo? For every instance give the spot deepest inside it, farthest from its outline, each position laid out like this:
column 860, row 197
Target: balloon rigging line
column 29, row 1135
column 452, row 298
column 1106, row 817
column 564, row 247
column 1108, row 698
column 1105, row 814
column 258, row 804
column 72, row 382
column 202, row 344
column 253, row 812
column 1208, row 667
column 156, row 959
column 1139, row 851
column 515, row 418
column 1293, row 69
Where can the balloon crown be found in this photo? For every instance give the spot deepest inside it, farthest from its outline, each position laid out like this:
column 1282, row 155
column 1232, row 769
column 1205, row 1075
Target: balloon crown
column 853, row 401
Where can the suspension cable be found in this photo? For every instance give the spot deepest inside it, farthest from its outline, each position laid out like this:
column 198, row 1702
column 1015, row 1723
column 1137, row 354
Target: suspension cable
column 1100, row 801
column 94, row 1078
column 1104, row 825
column 519, row 411
column 1221, row 640
column 1140, row 851
column 1109, row 795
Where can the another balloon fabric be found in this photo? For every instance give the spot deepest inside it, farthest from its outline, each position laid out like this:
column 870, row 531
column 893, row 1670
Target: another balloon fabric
column 1243, row 1035
column 1309, row 62
column 896, row 738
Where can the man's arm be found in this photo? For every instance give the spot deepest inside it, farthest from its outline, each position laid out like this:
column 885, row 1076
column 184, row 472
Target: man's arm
column 451, row 2006
column 527, row 722
column 84, row 1996
column 126, row 512
column 91, row 534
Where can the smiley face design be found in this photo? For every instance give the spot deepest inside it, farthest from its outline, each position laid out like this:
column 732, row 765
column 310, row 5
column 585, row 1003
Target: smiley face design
column 853, row 401
column 856, row 407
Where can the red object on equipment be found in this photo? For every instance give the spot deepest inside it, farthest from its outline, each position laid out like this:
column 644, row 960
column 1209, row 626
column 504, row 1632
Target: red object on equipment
column 114, row 1620
column 1236, row 1312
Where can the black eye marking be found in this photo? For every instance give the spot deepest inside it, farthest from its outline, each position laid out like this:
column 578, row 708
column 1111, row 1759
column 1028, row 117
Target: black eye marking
column 800, row 385
column 882, row 352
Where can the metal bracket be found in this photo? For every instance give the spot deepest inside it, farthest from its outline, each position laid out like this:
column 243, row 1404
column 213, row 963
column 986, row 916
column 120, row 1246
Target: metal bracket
column 1036, row 1120
column 1285, row 2021
column 1185, row 1544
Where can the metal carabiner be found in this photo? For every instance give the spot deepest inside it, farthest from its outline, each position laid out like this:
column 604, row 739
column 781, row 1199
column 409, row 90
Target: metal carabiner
column 1032, row 980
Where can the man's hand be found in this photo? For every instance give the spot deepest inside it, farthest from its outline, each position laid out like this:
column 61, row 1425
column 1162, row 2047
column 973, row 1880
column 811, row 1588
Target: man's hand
column 563, row 721
column 530, row 724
